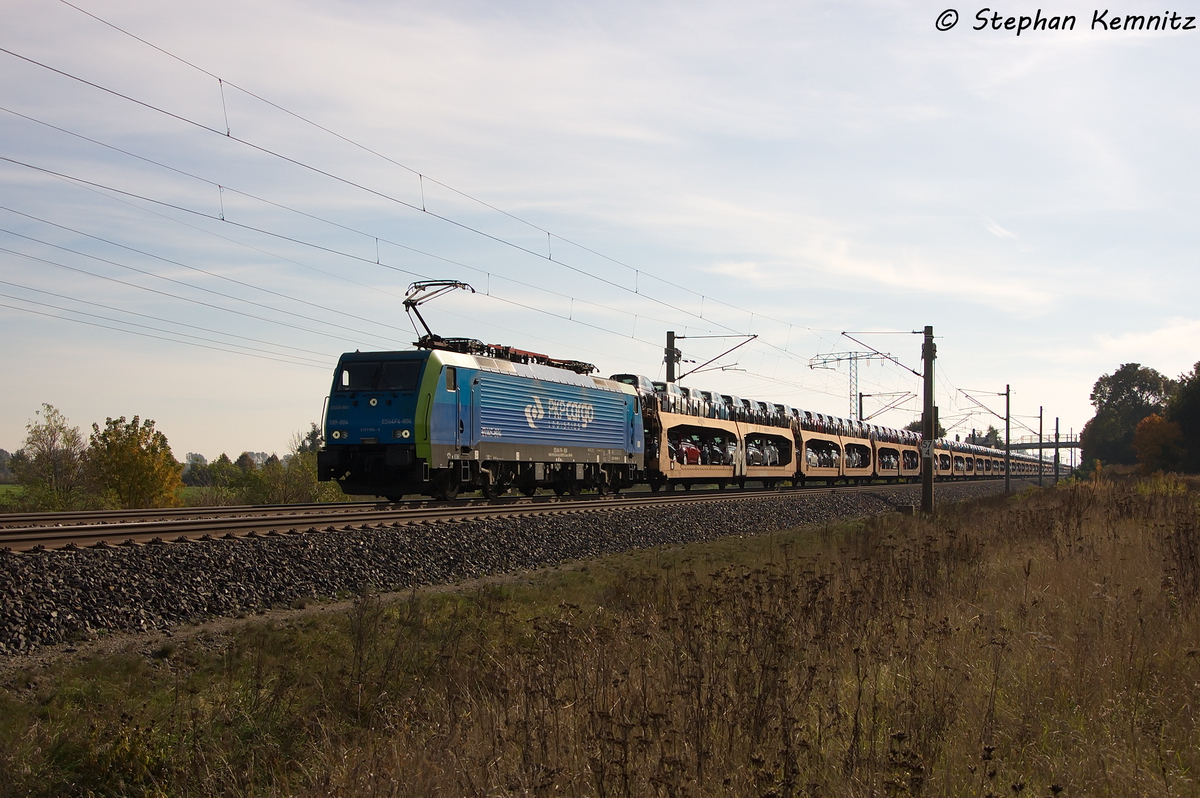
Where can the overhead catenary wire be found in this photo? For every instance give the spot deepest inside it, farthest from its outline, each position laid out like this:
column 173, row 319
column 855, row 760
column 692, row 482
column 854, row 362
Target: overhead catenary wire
column 784, row 350
column 322, row 355
column 292, row 239
column 291, row 358
column 375, row 237
column 165, row 293
column 160, row 337
column 164, row 278
column 401, row 202
column 422, row 177
column 207, row 272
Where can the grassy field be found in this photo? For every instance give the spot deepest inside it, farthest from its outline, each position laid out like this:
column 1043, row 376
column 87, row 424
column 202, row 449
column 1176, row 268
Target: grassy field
column 1044, row 645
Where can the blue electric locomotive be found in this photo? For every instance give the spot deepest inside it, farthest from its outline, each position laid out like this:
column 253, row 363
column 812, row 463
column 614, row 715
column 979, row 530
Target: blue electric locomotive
column 435, row 422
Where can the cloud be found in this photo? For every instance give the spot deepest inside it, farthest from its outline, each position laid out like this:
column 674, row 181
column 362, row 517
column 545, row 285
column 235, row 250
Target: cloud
column 1171, row 348
column 996, row 229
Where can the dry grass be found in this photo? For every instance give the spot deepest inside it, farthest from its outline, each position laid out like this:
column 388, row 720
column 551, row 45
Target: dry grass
column 1043, row 645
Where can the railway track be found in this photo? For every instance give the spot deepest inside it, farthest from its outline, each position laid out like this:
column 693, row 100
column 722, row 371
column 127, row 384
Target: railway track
column 32, row 532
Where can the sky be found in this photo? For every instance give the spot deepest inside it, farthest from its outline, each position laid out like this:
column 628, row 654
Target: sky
column 203, row 205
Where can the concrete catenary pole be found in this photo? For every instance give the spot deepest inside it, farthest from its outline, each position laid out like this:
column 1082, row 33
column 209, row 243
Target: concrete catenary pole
column 672, row 356
column 1007, row 438
column 928, row 423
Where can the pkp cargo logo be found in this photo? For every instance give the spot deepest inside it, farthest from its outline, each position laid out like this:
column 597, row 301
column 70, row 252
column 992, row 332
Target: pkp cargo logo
column 560, row 414
column 534, row 412
column 947, row 19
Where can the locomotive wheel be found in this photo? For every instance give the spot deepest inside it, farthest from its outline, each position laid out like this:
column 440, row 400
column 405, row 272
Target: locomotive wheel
column 450, row 489
column 573, row 488
column 560, row 490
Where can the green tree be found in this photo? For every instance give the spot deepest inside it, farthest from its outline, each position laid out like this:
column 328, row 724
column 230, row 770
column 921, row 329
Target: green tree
column 6, row 474
column 292, row 479
column 1122, row 399
column 196, row 472
column 223, row 473
column 916, row 427
column 311, row 441
column 1184, row 410
column 993, row 438
column 50, row 465
column 131, row 463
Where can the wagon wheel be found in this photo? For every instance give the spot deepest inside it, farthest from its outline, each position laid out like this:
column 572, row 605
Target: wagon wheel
column 528, row 490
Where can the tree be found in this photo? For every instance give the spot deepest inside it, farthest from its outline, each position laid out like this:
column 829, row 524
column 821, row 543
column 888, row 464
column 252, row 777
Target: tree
column 310, row 441
column 1122, row 399
column 223, row 473
column 50, row 464
column 196, row 472
column 1156, row 442
column 245, row 462
column 1184, row 410
column 991, row 438
column 6, row 474
column 131, row 463
column 292, row 479
column 916, row 426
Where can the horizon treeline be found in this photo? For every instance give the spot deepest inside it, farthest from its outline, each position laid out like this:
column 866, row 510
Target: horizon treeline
column 128, row 464
column 1144, row 418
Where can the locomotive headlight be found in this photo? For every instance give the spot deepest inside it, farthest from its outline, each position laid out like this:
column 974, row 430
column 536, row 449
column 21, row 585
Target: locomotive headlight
column 401, row 433
column 373, row 401
column 336, row 434
column 405, row 433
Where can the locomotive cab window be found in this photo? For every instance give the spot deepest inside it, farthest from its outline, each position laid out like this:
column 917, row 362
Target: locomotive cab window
column 394, row 375
column 451, row 378
column 399, row 375
column 358, row 376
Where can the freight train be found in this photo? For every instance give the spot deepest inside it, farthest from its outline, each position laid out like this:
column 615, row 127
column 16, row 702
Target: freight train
column 465, row 416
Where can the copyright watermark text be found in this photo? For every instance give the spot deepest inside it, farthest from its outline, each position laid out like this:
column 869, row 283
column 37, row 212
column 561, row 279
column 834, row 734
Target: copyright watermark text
column 988, row 19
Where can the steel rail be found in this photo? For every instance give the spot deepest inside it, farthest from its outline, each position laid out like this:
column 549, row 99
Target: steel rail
column 274, row 523
column 122, row 516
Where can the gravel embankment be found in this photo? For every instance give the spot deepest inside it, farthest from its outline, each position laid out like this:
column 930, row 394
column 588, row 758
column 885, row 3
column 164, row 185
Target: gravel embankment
column 62, row 596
